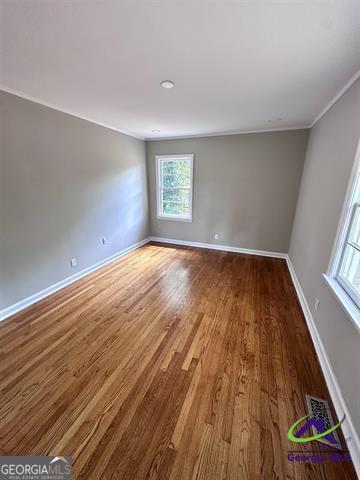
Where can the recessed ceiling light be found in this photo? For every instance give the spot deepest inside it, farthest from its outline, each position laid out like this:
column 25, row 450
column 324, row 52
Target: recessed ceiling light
column 167, row 84
column 155, row 131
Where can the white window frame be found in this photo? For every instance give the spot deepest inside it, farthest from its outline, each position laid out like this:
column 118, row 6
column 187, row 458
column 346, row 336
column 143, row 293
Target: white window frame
column 159, row 210
column 348, row 298
column 355, row 296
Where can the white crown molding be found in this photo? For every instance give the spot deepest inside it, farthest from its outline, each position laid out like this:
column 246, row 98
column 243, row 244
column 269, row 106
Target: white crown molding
column 224, row 248
column 346, row 87
column 37, row 100
column 221, row 134
column 26, row 302
column 20, row 94
column 337, row 97
column 340, row 406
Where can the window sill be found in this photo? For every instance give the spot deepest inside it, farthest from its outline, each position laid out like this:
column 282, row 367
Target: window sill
column 345, row 301
column 178, row 219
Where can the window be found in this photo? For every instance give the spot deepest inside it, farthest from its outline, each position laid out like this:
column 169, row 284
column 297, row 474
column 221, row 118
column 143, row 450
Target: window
column 344, row 271
column 174, row 175
column 348, row 273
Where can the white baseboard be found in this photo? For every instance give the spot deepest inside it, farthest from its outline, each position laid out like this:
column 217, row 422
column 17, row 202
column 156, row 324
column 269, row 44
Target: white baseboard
column 17, row 307
column 330, row 378
column 225, row 248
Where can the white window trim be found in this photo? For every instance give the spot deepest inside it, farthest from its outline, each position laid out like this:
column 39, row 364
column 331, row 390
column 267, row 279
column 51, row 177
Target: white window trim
column 340, row 289
column 158, row 158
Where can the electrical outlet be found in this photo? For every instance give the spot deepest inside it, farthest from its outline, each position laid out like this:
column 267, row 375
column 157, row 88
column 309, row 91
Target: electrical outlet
column 317, row 303
column 104, row 241
column 216, row 236
column 73, row 262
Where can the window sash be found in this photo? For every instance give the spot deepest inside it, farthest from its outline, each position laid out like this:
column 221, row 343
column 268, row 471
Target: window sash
column 163, row 175
column 184, row 204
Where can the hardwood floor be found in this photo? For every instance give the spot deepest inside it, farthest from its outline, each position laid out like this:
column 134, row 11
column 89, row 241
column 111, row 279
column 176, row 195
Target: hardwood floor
column 170, row 363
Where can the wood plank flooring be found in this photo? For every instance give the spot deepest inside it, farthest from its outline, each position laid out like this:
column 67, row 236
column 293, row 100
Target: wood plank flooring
column 170, row 363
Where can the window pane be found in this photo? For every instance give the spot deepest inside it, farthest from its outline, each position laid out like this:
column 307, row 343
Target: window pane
column 350, row 267
column 176, row 195
column 176, row 180
column 168, row 168
column 176, row 166
column 354, row 235
column 178, row 209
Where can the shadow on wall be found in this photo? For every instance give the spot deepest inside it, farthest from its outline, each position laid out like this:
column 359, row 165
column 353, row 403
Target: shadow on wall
column 114, row 207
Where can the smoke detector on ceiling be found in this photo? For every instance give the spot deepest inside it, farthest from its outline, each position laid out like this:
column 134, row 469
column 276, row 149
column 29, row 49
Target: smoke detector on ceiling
column 167, row 84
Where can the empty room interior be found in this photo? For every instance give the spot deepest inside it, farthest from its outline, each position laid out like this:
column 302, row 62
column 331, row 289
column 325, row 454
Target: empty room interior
column 179, row 240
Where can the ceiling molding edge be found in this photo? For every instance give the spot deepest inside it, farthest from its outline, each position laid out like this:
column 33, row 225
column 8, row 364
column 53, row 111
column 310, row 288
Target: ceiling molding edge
column 20, row 94
column 337, row 97
column 37, row 100
column 332, row 102
column 240, row 132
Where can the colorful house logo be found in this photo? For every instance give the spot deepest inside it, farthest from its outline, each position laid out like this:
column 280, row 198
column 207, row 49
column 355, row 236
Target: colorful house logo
column 318, row 425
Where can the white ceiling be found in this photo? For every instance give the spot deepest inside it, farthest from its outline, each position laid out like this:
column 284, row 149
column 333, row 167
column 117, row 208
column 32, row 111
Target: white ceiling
column 237, row 66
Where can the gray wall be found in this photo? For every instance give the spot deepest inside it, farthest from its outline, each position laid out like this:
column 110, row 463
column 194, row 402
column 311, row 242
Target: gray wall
column 65, row 184
column 245, row 188
column 330, row 157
